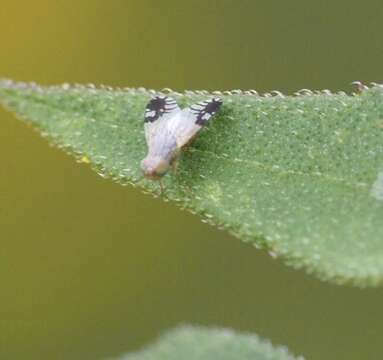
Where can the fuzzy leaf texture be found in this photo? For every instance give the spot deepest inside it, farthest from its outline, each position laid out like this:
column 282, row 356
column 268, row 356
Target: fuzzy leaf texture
column 198, row 343
column 301, row 176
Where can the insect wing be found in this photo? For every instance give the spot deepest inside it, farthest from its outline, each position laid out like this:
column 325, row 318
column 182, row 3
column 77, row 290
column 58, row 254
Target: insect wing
column 185, row 125
column 158, row 111
column 204, row 110
column 160, row 106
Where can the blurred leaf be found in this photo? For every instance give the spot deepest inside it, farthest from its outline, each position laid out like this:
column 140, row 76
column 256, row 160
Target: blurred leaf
column 301, row 176
column 197, row 343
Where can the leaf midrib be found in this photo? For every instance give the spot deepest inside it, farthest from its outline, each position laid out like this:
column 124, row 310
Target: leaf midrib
column 286, row 172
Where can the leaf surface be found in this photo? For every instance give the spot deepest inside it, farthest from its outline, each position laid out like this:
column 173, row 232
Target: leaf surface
column 301, row 176
column 197, row 343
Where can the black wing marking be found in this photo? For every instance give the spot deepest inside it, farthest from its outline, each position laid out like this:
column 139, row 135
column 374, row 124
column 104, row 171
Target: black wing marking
column 159, row 106
column 204, row 110
column 191, row 120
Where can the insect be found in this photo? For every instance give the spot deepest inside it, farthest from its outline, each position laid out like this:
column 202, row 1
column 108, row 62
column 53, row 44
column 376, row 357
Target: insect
column 168, row 129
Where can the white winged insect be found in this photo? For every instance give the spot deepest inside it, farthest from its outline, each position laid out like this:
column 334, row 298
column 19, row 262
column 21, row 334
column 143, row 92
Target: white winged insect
column 168, row 129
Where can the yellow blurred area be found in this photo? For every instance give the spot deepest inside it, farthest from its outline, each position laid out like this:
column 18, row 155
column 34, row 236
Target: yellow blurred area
column 90, row 269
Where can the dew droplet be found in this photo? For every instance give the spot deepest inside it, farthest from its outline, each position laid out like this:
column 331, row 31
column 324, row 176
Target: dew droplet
column 84, row 159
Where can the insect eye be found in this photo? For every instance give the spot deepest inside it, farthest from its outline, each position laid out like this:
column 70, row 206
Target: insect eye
column 162, row 167
column 154, row 167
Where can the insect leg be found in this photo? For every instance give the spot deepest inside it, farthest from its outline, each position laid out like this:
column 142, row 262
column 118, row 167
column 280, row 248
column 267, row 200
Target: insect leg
column 174, row 165
column 162, row 190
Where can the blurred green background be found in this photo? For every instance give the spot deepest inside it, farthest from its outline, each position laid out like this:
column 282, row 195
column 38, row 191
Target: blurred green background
column 90, row 269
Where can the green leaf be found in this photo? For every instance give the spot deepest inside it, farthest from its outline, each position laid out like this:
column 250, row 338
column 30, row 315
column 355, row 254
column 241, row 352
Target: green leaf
column 301, row 176
column 198, row 343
